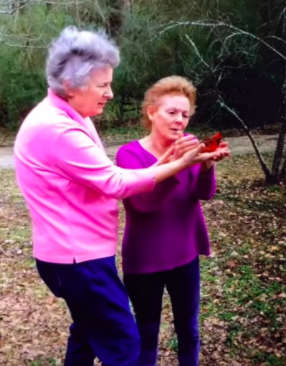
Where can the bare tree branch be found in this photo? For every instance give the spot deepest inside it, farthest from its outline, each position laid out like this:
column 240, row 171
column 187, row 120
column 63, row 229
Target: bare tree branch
column 33, row 46
column 262, row 162
column 11, row 8
column 23, row 41
column 278, row 38
column 224, row 105
column 213, row 24
column 14, row 8
column 198, row 54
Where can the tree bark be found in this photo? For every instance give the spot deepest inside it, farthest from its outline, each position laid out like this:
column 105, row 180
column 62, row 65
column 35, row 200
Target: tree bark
column 120, row 9
column 278, row 156
column 268, row 176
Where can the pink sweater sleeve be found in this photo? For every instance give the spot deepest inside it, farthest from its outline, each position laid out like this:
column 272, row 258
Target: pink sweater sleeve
column 79, row 159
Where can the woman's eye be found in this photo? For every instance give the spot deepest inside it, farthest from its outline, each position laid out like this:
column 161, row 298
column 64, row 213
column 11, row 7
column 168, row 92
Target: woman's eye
column 171, row 112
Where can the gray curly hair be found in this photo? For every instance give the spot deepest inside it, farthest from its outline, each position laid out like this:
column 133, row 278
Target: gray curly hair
column 75, row 54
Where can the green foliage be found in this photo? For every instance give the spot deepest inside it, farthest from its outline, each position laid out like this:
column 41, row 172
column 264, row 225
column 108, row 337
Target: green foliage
column 22, row 61
column 251, row 72
column 21, row 86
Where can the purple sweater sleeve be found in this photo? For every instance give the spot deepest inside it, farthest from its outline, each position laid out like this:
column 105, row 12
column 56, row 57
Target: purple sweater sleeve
column 129, row 157
column 205, row 185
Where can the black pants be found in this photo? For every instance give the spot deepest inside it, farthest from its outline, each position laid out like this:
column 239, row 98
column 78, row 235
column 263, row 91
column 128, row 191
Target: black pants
column 146, row 294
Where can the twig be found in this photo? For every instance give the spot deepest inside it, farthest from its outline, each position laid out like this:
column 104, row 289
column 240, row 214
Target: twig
column 249, row 134
column 11, row 12
column 232, row 111
column 214, row 24
column 39, row 2
column 198, row 54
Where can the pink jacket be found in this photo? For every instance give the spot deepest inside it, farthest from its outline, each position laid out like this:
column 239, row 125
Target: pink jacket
column 70, row 186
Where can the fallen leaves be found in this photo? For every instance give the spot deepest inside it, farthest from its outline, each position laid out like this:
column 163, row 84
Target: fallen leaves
column 243, row 292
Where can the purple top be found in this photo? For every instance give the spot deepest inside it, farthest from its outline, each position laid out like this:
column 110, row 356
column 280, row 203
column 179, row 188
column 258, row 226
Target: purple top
column 164, row 228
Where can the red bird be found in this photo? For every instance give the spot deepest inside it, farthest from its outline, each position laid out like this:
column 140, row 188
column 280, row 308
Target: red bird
column 212, row 142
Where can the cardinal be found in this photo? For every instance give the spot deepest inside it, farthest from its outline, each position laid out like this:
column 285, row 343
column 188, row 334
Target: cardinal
column 212, row 142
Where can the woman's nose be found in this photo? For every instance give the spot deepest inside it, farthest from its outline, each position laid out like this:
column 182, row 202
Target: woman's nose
column 109, row 93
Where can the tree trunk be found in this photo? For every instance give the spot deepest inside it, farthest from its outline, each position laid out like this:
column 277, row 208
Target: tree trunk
column 282, row 173
column 119, row 10
column 278, row 156
column 270, row 179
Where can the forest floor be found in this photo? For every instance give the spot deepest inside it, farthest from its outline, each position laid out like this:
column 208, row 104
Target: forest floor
column 243, row 292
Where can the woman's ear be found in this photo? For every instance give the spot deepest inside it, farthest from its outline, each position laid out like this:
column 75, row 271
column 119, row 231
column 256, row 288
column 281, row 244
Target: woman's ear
column 68, row 90
column 150, row 112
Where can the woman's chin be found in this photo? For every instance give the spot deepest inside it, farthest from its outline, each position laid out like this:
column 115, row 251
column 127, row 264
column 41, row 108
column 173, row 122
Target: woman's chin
column 173, row 137
column 98, row 111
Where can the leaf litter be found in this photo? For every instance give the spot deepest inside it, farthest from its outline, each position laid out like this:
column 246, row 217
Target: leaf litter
column 243, row 291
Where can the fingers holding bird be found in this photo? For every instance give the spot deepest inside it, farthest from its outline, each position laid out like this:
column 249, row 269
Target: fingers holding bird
column 184, row 144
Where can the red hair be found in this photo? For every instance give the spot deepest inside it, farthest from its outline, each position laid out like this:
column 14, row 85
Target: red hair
column 171, row 85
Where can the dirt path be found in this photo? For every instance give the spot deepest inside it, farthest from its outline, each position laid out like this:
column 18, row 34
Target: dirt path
column 238, row 145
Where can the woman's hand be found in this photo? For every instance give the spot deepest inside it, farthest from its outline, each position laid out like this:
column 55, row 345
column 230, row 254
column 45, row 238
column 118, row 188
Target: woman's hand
column 187, row 146
column 184, row 144
column 166, row 158
column 221, row 152
column 196, row 156
column 178, row 149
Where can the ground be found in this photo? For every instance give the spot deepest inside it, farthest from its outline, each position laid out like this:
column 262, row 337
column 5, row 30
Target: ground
column 243, row 282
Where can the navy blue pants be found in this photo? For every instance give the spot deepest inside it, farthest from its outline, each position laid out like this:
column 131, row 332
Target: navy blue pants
column 103, row 325
column 146, row 293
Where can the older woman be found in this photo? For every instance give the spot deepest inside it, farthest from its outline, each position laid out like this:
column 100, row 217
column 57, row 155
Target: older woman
column 165, row 230
column 71, row 189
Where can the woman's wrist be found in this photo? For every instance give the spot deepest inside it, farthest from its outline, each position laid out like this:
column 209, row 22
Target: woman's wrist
column 206, row 166
column 167, row 170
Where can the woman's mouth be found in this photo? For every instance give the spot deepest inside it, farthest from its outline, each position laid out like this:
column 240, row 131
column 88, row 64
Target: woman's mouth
column 176, row 130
